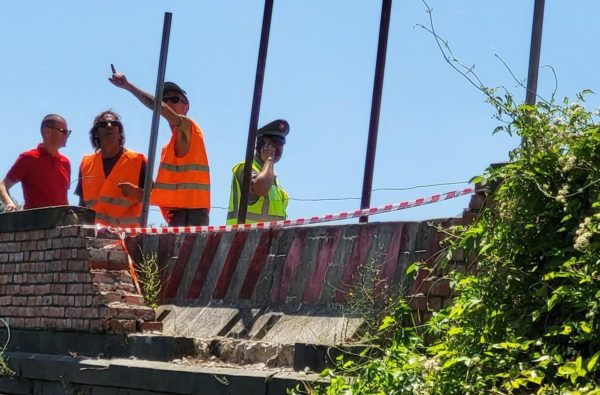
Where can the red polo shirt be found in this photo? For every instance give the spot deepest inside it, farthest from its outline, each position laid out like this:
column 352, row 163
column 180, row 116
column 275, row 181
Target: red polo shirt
column 45, row 178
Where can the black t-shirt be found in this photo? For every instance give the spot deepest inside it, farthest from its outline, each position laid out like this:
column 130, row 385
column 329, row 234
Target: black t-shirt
column 107, row 165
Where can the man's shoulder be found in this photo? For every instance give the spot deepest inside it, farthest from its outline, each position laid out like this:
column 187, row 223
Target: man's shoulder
column 64, row 159
column 32, row 153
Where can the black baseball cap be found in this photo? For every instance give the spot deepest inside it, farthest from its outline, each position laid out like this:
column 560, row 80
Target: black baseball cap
column 278, row 129
column 173, row 87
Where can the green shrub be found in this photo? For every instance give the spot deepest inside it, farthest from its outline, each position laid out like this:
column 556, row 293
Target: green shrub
column 526, row 321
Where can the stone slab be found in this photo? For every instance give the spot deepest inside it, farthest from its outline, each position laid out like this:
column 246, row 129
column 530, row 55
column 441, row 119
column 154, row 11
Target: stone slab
column 160, row 377
column 46, row 218
column 313, row 329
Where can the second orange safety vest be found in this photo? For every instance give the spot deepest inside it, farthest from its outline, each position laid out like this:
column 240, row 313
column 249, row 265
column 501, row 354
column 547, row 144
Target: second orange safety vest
column 102, row 194
column 183, row 182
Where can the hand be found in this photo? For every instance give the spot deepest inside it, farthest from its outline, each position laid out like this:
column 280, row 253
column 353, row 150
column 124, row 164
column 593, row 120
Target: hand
column 267, row 152
column 10, row 207
column 129, row 190
column 118, row 79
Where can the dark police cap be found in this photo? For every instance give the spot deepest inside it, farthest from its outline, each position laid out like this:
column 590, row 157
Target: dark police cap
column 173, row 87
column 278, row 129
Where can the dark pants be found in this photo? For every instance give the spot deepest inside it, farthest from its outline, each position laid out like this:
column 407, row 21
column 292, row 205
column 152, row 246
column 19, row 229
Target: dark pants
column 188, row 217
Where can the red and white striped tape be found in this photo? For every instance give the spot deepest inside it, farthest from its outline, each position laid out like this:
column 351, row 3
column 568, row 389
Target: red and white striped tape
column 295, row 222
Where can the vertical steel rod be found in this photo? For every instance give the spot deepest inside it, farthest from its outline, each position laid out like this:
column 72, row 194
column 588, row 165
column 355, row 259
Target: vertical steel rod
column 375, row 106
column 258, row 85
column 534, row 51
column 162, row 65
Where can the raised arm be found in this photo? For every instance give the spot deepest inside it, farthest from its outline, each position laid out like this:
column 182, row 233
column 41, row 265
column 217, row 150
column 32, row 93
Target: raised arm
column 175, row 120
column 262, row 183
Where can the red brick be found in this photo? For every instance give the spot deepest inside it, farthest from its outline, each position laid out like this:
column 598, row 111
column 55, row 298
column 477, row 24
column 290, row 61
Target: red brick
column 27, row 290
column 440, row 288
column 7, row 237
column 56, row 311
column 88, row 289
column 53, row 233
column 30, row 245
column 15, row 257
column 70, row 231
column 32, row 323
column 8, row 247
column 151, row 326
column 114, row 325
column 64, row 300
column 468, row 217
column 42, row 289
column 417, row 302
column 58, row 288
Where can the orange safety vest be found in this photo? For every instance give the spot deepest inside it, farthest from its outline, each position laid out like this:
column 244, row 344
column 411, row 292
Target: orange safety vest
column 102, row 194
column 183, row 182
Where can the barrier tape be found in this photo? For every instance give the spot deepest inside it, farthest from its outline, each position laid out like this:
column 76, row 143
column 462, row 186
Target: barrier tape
column 295, row 222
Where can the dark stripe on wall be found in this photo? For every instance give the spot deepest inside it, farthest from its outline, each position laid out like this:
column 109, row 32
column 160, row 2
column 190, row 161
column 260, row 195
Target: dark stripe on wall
column 324, row 259
column 237, row 245
column 208, row 254
column 282, row 288
column 183, row 256
column 256, row 265
column 389, row 261
column 360, row 249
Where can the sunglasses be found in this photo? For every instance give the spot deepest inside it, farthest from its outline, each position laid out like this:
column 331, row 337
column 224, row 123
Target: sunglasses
column 174, row 100
column 66, row 132
column 105, row 124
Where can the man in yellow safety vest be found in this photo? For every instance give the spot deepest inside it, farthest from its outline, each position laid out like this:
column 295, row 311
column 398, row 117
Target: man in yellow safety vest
column 267, row 200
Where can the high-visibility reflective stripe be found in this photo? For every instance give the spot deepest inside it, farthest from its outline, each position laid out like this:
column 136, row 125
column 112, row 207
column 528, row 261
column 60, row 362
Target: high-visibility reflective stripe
column 182, row 186
column 90, row 203
column 121, row 221
column 182, row 168
column 115, row 201
column 256, row 217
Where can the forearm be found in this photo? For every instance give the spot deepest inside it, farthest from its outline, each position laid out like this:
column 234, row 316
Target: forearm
column 143, row 96
column 4, row 195
column 263, row 182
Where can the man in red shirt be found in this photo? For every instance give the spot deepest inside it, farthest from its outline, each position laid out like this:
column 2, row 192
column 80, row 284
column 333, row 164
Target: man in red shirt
column 44, row 173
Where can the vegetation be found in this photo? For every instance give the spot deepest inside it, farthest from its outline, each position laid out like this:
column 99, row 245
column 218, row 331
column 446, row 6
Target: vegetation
column 526, row 320
column 5, row 370
column 149, row 278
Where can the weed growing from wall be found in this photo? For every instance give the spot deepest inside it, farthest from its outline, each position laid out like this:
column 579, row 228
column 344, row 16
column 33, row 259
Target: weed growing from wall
column 149, row 278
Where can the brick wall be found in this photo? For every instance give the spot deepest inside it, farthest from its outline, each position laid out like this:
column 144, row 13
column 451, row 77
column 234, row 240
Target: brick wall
column 431, row 290
column 62, row 279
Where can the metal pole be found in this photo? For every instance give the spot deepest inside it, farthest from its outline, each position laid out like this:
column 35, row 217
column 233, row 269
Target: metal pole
column 160, row 79
column 258, row 85
column 534, row 51
column 384, row 26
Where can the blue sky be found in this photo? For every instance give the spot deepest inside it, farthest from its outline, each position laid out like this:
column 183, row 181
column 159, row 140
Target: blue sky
column 434, row 126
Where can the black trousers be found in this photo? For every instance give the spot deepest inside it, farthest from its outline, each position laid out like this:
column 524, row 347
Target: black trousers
column 188, row 217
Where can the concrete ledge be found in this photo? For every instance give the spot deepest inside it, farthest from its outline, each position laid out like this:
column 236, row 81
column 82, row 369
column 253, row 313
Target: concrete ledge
column 46, row 218
column 144, row 377
column 158, row 348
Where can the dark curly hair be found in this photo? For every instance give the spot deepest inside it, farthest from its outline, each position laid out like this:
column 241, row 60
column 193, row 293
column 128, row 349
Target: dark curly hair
column 94, row 140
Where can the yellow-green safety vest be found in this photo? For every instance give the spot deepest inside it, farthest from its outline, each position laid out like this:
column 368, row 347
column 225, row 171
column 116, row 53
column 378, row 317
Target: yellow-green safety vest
column 265, row 209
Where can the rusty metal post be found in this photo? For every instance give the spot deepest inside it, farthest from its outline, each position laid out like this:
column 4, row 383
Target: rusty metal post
column 258, row 85
column 160, row 79
column 384, row 26
column 534, row 51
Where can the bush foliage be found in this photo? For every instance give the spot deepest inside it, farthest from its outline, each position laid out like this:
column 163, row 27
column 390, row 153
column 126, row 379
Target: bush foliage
column 525, row 320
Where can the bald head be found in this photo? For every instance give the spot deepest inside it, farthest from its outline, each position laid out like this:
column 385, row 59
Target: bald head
column 50, row 119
